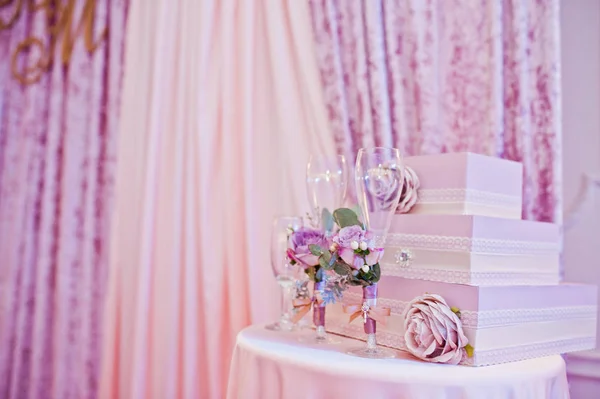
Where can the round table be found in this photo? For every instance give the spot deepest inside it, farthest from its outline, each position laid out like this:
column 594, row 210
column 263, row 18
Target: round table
column 276, row 365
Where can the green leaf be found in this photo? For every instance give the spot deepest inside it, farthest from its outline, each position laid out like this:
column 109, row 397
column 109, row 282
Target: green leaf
column 456, row 310
column 342, row 269
column 376, row 272
column 345, row 217
column 324, row 264
column 327, row 220
column 326, row 255
column 315, row 249
column 311, row 273
column 469, row 349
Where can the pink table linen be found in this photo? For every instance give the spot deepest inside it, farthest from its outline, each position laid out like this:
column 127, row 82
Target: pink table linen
column 270, row 365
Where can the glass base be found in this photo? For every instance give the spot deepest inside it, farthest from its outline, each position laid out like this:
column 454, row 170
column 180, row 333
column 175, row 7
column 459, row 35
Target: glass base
column 318, row 340
column 372, row 353
column 277, row 326
column 319, row 337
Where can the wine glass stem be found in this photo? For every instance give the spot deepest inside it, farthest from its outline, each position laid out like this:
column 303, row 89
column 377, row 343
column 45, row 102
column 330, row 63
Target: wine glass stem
column 285, row 304
column 371, row 341
column 321, row 333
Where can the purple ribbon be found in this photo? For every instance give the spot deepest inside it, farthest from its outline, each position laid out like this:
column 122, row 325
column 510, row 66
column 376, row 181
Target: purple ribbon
column 369, row 294
column 318, row 308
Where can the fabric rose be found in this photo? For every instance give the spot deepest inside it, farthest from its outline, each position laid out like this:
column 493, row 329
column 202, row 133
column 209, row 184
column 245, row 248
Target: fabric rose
column 433, row 332
column 353, row 239
column 347, row 235
column 298, row 246
column 409, row 195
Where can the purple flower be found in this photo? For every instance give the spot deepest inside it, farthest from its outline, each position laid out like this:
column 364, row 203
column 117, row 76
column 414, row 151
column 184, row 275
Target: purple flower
column 298, row 246
column 347, row 235
column 433, row 332
column 352, row 238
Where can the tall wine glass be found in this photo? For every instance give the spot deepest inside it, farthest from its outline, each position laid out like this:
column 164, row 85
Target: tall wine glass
column 379, row 179
column 326, row 184
column 285, row 273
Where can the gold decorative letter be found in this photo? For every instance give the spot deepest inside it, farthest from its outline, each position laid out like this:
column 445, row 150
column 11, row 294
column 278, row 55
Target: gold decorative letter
column 60, row 18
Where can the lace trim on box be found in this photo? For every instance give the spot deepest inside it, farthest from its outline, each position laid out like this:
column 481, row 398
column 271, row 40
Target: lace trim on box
column 480, row 358
column 466, row 244
column 469, row 277
column 469, row 196
column 524, row 352
column 493, row 318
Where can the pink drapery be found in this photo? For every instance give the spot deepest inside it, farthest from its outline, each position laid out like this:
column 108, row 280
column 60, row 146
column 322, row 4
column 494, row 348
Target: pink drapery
column 430, row 76
column 56, row 167
column 221, row 107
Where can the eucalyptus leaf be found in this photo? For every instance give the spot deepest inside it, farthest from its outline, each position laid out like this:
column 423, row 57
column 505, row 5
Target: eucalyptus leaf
column 376, row 272
column 342, row 269
column 364, row 283
column 315, row 249
column 345, row 217
column 356, row 209
column 326, row 255
column 327, row 220
column 324, row 264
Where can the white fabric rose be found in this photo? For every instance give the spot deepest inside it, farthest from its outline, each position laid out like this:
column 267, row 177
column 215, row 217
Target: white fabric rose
column 409, row 195
column 433, row 332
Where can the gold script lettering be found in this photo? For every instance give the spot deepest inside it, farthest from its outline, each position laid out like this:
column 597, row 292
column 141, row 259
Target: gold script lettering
column 60, row 19
column 15, row 15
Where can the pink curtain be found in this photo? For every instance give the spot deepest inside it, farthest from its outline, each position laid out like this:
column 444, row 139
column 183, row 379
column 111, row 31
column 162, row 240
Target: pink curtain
column 431, row 76
column 57, row 155
column 221, row 106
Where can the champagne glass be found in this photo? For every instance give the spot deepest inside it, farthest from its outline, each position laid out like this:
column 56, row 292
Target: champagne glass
column 379, row 179
column 326, row 184
column 285, row 273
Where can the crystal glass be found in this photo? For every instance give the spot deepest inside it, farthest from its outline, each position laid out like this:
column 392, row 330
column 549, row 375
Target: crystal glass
column 285, row 273
column 379, row 179
column 318, row 308
column 326, row 184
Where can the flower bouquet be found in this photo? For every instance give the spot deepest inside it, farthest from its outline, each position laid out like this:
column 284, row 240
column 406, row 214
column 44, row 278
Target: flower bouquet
column 304, row 249
column 354, row 256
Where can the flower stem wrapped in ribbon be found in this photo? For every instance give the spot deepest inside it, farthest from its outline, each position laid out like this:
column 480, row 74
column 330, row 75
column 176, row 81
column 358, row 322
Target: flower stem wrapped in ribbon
column 377, row 314
column 355, row 257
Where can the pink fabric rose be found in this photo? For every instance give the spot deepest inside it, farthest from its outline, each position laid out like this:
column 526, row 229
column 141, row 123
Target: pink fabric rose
column 433, row 332
column 299, row 246
column 348, row 234
column 344, row 239
column 410, row 190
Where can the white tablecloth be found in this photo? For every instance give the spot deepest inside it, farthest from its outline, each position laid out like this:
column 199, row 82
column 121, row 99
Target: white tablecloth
column 272, row 365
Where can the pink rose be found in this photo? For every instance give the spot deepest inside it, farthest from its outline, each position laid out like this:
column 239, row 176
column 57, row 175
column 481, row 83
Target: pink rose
column 374, row 256
column 433, row 332
column 348, row 234
column 410, row 190
column 299, row 246
column 344, row 239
